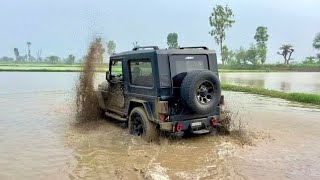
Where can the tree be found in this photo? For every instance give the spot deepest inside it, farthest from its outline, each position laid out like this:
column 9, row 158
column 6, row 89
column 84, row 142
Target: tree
column 309, row 60
column 252, row 55
column 16, row 53
column 71, row 59
column 39, row 58
column 32, row 59
column 316, row 45
column 24, row 58
column 101, row 49
column 240, row 56
column 111, row 47
column 261, row 38
column 172, row 40
column 29, row 52
column 316, row 42
column 6, row 59
column 318, row 57
column 261, row 35
column 221, row 20
column 229, row 55
column 286, row 51
column 262, row 53
column 53, row 59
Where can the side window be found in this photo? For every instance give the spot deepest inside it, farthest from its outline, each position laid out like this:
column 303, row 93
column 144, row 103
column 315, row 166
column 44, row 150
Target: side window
column 116, row 69
column 141, row 73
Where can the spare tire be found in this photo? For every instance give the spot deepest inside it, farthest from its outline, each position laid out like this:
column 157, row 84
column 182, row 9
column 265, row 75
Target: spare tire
column 200, row 90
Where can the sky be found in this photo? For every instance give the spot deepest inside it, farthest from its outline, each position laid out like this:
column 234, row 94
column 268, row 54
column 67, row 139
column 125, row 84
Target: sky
column 63, row 27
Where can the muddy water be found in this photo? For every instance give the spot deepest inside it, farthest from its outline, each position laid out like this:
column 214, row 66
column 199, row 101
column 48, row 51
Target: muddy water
column 39, row 139
column 308, row 82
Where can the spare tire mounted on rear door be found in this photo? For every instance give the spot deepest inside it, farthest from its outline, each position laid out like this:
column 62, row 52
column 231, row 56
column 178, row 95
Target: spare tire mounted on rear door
column 200, row 90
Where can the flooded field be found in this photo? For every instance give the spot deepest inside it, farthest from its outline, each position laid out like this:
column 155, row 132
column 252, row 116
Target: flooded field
column 39, row 139
column 308, row 82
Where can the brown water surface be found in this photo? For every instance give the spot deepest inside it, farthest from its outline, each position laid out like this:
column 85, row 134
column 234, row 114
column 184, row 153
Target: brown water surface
column 308, row 82
column 39, row 139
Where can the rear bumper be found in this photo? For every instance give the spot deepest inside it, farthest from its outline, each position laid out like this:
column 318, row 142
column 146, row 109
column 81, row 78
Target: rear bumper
column 192, row 125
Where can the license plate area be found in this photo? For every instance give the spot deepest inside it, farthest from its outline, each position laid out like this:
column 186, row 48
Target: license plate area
column 196, row 124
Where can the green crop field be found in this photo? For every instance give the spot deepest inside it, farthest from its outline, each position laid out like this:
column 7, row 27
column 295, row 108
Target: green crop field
column 298, row 97
column 47, row 67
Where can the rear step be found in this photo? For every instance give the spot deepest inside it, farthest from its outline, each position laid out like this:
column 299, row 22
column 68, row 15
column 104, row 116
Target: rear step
column 116, row 117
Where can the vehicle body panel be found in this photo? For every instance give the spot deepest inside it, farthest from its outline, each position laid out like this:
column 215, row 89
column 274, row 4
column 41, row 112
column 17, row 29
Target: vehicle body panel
column 125, row 95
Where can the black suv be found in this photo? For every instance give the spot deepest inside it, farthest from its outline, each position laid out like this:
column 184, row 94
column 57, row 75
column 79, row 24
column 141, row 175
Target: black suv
column 172, row 90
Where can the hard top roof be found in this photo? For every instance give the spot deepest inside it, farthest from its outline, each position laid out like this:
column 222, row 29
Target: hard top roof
column 187, row 50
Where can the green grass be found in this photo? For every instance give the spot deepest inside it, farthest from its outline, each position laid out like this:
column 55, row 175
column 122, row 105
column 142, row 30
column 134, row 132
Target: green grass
column 47, row 67
column 241, row 70
column 271, row 67
column 298, row 97
column 38, row 65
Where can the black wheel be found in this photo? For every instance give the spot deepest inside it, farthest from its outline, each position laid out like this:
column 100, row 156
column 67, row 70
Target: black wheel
column 200, row 90
column 140, row 125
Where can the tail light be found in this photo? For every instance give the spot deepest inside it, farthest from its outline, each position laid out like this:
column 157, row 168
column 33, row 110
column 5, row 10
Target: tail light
column 178, row 127
column 213, row 122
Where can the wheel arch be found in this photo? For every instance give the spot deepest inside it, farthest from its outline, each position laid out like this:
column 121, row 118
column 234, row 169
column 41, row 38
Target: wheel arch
column 140, row 103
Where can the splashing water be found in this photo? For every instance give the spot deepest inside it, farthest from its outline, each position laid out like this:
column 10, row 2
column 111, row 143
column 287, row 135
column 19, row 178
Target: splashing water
column 86, row 99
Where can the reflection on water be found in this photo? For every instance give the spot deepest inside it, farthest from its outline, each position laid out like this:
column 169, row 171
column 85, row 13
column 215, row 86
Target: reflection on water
column 40, row 140
column 285, row 81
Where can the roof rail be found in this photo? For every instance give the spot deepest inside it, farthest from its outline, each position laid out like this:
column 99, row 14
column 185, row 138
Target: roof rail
column 195, row 47
column 145, row 47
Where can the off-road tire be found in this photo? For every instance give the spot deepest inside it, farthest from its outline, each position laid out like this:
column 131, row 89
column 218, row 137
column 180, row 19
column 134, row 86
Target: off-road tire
column 190, row 85
column 102, row 113
column 150, row 132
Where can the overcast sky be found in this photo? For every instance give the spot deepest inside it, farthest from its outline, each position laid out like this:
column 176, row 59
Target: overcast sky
column 61, row 27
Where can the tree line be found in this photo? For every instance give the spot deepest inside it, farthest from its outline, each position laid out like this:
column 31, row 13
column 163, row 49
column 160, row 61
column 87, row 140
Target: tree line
column 70, row 59
column 221, row 20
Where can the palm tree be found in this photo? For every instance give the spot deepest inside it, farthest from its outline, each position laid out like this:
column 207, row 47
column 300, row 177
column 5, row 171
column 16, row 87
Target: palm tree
column 286, row 51
column 29, row 53
column 309, row 60
column 16, row 53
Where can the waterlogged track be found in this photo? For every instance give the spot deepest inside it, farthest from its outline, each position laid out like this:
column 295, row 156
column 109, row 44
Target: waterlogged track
column 39, row 139
column 292, row 149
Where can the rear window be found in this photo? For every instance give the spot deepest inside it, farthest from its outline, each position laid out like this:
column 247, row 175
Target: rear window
column 182, row 64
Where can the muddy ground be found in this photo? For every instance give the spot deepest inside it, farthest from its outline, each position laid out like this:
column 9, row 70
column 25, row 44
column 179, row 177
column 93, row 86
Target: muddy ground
column 39, row 139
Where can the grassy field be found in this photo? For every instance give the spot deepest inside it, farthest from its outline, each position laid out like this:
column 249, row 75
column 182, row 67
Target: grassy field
column 298, row 97
column 47, row 67
column 272, row 67
column 241, row 70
